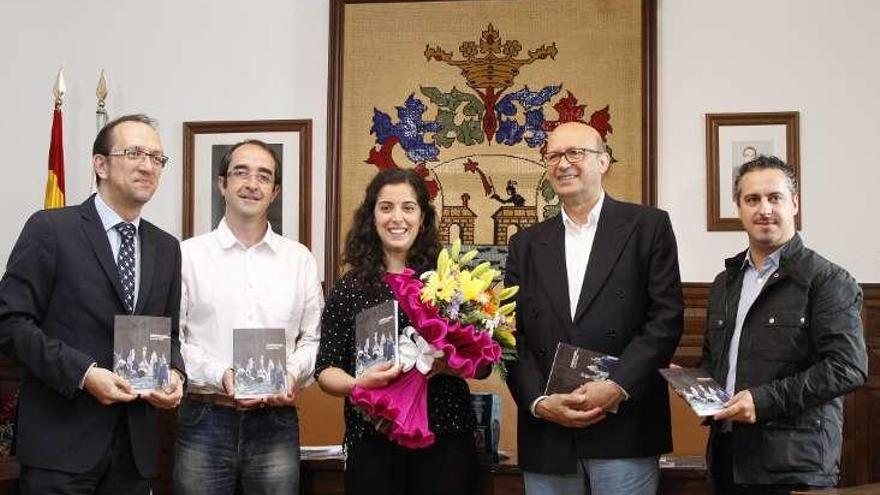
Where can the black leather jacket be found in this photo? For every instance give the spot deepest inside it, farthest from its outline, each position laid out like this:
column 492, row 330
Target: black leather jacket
column 800, row 350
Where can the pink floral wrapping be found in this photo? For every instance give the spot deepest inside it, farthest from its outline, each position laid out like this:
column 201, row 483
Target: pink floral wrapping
column 404, row 403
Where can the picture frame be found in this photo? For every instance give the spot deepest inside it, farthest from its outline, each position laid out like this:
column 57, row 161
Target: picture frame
column 420, row 99
column 204, row 144
column 731, row 140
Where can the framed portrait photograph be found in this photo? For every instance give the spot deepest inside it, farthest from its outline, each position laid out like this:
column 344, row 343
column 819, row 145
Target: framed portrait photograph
column 733, row 139
column 205, row 144
column 464, row 92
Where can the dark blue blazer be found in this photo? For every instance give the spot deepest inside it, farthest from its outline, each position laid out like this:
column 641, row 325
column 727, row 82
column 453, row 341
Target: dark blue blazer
column 58, row 299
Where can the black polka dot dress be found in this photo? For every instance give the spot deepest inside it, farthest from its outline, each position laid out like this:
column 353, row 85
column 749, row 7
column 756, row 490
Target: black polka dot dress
column 449, row 406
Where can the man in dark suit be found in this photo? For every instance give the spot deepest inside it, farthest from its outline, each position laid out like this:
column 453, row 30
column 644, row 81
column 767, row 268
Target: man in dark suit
column 602, row 275
column 81, row 428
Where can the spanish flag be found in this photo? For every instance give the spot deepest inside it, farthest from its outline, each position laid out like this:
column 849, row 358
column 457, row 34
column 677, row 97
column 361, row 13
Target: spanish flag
column 55, row 180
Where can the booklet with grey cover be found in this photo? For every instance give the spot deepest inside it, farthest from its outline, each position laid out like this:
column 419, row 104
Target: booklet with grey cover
column 142, row 350
column 259, row 357
column 574, row 366
column 376, row 336
column 705, row 396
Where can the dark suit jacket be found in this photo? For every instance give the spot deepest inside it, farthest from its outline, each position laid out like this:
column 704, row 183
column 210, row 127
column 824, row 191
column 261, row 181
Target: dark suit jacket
column 630, row 306
column 58, row 299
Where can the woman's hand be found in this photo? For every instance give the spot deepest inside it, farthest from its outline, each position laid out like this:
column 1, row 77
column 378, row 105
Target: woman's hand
column 378, row 375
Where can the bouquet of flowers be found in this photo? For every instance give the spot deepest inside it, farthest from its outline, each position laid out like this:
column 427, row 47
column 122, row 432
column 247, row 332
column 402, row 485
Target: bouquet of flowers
column 458, row 314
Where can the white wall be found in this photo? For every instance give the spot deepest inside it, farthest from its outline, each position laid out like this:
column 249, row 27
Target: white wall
column 813, row 56
column 238, row 60
column 176, row 61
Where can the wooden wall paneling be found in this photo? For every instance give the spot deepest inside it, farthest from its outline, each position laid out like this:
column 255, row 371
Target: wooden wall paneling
column 866, row 408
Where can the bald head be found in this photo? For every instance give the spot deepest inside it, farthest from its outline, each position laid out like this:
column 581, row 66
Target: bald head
column 580, row 131
column 576, row 160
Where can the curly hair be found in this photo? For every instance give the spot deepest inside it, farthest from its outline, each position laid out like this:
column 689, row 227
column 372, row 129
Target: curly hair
column 364, row 255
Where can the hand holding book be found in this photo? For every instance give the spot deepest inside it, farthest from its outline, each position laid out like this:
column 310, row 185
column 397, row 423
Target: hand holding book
column 569, row 410
column 107, row 387
column 378, row 375
column 167, row 397
column 604, row 394
column 741, row 407
column 285, row 399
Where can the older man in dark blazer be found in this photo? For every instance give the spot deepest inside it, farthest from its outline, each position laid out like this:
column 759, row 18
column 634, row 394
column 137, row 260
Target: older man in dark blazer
column 81, row 428
column 602, row 275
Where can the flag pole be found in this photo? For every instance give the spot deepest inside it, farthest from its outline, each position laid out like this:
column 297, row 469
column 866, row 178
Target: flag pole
column 100, row 119
column 55, row 190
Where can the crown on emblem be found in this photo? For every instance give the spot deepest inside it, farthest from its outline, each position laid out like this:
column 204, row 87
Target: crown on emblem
column 498, row 65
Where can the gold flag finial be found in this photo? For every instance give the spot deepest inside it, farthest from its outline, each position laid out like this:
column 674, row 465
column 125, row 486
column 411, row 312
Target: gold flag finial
column 101, row 91
column 59, row 88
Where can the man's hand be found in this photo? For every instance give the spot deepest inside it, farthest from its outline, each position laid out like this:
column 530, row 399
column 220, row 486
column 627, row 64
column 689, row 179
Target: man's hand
column 378, row 375
column 276, row 400
column 228, row 383
column 604, row 394
column 285, row 399
column 169, row 396
column 107, row 387
column 741, row 407
column 569, row 410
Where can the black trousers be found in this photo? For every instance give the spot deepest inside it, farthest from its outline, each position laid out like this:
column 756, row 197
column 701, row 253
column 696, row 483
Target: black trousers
column 376, row 466
column 115, row 474
column 722, row 473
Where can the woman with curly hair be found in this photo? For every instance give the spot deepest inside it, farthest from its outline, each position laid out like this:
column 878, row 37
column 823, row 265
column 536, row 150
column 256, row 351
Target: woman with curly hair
column 394, row 228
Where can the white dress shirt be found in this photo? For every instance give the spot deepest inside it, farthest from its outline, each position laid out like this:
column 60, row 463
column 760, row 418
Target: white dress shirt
column 272, row 284
column 578, row 246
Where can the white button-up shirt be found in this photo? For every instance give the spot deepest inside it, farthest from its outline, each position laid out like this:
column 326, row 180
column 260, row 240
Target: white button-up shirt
column 272, row 284
column 578, row 246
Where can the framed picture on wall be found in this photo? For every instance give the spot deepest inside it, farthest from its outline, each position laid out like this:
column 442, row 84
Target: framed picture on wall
column 205, row 144
column 465, row 92
column 736, row 138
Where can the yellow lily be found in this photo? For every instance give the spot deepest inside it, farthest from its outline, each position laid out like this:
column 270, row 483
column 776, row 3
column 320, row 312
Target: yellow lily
column 472, row 287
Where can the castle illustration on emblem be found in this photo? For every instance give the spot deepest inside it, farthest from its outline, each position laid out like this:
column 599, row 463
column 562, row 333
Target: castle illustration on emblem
column 480, row 153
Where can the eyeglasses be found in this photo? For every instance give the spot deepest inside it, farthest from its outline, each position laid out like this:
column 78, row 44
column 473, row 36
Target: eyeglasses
column 138, row 155
column 573, row 155
column 263, row 178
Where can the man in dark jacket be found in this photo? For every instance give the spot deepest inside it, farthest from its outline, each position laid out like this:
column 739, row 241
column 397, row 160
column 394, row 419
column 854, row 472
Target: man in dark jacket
column 81, row 428
column 602, row 275
column 784, row 337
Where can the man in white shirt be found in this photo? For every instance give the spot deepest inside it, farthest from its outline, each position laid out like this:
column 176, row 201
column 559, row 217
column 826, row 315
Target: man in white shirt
column 243, row 275
column 603, row 275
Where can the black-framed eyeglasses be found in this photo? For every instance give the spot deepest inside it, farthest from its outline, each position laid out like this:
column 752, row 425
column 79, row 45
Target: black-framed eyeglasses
column 263, row 178
column 139, row 155
column 573, row 155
